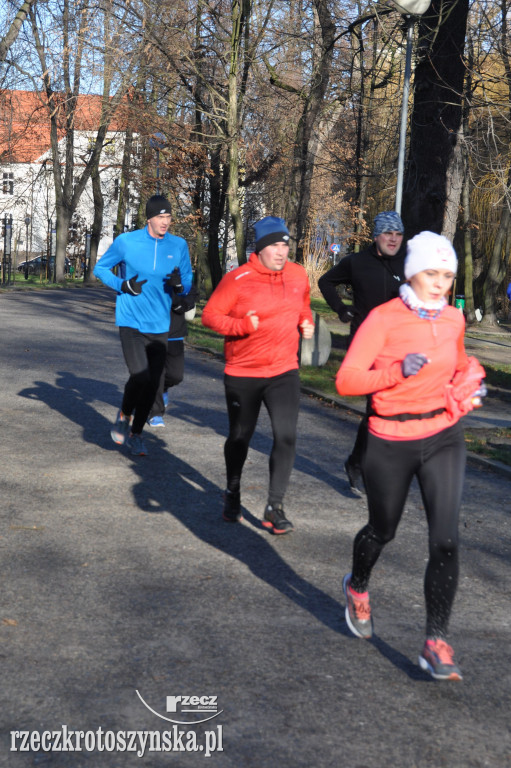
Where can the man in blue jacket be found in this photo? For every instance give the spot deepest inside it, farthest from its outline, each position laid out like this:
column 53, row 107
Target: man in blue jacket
column 156, row 265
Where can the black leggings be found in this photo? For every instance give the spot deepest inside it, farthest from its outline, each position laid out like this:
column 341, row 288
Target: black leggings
column 172, row 374
column 389, row 466
column 144, row 354
column 281, row 396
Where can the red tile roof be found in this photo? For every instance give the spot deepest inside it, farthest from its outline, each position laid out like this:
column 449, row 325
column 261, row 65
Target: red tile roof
column 25, row 123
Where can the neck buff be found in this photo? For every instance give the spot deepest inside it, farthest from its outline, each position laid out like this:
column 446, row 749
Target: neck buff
column 428, row 310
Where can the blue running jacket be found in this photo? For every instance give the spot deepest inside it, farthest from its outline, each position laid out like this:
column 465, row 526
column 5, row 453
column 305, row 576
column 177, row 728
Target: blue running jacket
column 151, row 259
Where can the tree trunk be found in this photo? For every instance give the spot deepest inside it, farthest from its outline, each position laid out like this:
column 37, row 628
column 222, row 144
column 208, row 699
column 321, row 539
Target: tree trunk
column 216, row 213
column 12, row 33
column 436, row 115
column 97, row 224
column 304, row 158
column 238, row 21
column 454, row 186
column 496, row 269
column 363, row 142
column 467, row 239
column 124, row 184
column 63, row 220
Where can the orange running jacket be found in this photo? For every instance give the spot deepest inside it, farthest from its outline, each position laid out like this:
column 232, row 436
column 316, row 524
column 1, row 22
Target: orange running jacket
column 282, row 302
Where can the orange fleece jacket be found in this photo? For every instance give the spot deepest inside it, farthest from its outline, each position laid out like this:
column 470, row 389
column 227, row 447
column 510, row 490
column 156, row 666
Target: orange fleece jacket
column 282, row 302
column 373, row 366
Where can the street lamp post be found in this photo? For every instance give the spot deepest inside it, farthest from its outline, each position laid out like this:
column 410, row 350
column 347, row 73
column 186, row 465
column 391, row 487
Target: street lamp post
column 411, row 9
column 6, row 271
column 87, row 254
column 54, row 251
column 27, row 224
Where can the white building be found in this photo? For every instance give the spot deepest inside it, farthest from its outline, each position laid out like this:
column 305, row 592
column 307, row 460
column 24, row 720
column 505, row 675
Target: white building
column 27, row 192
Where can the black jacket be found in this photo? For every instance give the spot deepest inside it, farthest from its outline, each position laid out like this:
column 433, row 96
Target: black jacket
column 373, row 279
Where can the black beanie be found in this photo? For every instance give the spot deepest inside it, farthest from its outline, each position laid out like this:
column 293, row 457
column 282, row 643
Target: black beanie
column 156, row 205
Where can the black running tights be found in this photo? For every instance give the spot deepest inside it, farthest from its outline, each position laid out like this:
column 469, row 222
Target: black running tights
column 281, row 396
column 389, row 466
column 172, row 374
column 144, row 354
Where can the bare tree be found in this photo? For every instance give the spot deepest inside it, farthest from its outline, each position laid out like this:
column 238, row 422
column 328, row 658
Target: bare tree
column 78, row 24
column 12, row 33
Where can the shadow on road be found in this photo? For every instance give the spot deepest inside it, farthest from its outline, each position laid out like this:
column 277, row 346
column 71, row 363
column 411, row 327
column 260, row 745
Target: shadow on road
column 168, row 485
column 200, row 416
column 74, row 397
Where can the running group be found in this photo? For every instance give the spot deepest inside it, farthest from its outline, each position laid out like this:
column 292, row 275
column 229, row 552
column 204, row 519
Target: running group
column 406, row 354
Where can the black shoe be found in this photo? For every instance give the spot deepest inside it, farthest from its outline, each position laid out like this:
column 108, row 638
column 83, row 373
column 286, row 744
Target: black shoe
column 355, row 478
column 232, row 507
column 275, row 520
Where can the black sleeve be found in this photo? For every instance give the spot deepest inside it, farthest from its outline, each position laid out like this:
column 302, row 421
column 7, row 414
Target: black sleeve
column 182, row 303
column 190, row 299
column 327, row 283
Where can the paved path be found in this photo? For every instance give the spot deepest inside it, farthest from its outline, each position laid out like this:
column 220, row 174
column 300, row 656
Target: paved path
column 118, row 576
column 490, row 347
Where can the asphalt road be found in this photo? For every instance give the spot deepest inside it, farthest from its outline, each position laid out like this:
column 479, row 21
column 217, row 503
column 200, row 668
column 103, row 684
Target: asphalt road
column 123, row 588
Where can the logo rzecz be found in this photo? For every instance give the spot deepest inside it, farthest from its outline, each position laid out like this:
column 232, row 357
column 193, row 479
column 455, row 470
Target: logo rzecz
column 206, row 707
column 192, row 703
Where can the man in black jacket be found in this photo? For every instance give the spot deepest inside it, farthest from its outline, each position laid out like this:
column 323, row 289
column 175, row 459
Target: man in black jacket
column 374, row 275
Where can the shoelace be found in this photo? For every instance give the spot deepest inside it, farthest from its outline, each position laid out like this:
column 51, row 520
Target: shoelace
column 362, row 608
column 442, row 650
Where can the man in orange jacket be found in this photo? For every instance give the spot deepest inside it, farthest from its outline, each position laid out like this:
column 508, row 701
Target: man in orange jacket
column 261, row 308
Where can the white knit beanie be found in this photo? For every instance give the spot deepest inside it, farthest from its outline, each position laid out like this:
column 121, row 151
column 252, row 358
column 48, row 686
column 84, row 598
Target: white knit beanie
column 427, row 250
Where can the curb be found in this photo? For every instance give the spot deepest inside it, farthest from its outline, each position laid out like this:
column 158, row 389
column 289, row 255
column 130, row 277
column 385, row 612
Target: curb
column 493, row 466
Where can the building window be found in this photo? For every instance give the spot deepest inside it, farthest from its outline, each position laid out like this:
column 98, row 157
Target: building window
column 8, row 184
column 116, row 189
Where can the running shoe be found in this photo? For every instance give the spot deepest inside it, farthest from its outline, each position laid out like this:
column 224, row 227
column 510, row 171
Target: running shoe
column 120, row 429
column 437, row 658
column 357, row 612
column 156, row 421
column 165, row 399
column 275, row 520
column 232, row 508
column 137, row 445
column 355, row 478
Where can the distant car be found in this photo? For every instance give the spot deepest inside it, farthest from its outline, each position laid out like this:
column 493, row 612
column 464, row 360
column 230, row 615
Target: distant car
column 40, row 265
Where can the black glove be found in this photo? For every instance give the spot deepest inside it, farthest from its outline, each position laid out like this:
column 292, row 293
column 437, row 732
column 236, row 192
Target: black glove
column 133, row 286
column 178, row 304
column 412, row 364
column 173, row 280
column 346, row 315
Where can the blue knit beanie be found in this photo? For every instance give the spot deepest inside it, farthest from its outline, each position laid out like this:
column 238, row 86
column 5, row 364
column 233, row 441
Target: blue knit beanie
column 270, row 230
column 387, row 221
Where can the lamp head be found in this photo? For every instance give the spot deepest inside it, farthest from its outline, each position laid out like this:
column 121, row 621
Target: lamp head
column 411, row 7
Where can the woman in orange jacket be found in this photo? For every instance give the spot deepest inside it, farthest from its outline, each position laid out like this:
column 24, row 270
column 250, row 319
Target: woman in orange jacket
column 409, row 356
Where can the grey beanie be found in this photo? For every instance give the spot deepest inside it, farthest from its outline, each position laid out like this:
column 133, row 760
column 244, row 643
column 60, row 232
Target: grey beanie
column 387, row 221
